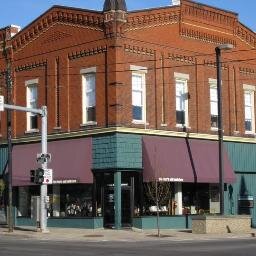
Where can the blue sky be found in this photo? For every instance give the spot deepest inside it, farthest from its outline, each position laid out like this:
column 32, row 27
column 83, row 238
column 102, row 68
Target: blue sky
column 22, row 12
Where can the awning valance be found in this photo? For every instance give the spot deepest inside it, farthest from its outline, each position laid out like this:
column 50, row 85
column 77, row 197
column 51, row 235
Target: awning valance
column 183, row 160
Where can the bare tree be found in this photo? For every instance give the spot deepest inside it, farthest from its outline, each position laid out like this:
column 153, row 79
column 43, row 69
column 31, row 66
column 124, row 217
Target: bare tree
column 159, row 192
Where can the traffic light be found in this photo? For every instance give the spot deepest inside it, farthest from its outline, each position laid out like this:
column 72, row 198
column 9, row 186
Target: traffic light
column 32, row 176
column 39, row 176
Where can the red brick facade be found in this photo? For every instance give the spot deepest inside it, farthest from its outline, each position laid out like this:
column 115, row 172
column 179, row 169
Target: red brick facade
column 61, row 42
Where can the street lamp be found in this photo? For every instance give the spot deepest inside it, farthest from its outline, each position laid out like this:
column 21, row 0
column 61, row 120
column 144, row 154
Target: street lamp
column 218, row 49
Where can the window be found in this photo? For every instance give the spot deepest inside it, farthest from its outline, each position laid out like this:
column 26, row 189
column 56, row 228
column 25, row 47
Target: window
column 181, row 99
column 249, row 109
column 32, row 102
column 138, row 94
column 213, row 103
column 89, row 95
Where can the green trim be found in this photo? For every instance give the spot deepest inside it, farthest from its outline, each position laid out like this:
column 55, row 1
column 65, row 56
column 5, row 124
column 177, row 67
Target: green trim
column 117, row 200
column 22, row 221
column 165, row 222
column 86, row 223
column 3, row 159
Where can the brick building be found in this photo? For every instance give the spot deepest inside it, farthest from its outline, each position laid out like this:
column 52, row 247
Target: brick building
column 132, row 98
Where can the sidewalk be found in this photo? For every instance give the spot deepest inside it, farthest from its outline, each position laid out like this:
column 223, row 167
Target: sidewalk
column 128, row 235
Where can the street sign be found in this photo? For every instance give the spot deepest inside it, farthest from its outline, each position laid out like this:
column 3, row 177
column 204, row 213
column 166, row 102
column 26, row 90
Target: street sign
column 47, row 176
column 43, row 158
column 1, row 103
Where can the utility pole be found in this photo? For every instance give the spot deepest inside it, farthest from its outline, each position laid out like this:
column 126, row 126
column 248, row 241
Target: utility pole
column 7, row 51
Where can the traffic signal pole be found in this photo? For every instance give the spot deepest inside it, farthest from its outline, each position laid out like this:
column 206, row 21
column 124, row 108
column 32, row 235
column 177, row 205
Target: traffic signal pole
column 43, row 188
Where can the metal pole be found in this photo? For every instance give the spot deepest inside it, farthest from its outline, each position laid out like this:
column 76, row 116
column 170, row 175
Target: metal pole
column 7, row 52
column 220, row 130
column 9, row 141
column 43, row 188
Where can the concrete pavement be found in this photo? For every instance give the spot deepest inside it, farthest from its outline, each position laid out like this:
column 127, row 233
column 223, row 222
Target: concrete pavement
column 132, row 235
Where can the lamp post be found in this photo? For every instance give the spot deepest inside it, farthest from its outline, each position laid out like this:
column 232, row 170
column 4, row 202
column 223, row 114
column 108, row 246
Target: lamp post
column 218, row 50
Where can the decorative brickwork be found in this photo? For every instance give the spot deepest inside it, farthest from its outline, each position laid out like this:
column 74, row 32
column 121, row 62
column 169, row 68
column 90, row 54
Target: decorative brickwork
column 206, row 37
column 91, row 20
column 84, row 53
column 137, row 22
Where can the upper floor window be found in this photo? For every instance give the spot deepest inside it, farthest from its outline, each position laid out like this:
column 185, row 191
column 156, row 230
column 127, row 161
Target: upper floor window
column 213, row 103
column 249, row 109
column 32, row 102
column 88, row 95
column 138, row 94
column 181, row 99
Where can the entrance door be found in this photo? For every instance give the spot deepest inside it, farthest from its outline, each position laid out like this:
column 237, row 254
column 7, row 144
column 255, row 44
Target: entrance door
column 109, row 207
column 126, row 206
column 105, row 197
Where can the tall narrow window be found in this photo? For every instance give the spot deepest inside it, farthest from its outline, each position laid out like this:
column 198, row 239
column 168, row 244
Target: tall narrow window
column 138, row 94
column 89, row 96
column 181, row 99
column 213, row 103
column 32, row 102
column 249, row 110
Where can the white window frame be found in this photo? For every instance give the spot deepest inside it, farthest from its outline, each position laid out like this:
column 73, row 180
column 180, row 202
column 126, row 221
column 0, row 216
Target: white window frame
column 182, row 78
column 85, row 72
column 140, row 71
column 213, row 85
column 29, row 84
column 250, row 89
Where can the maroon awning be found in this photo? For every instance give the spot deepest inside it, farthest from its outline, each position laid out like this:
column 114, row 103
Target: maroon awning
column 183, row 160
column 71, row 161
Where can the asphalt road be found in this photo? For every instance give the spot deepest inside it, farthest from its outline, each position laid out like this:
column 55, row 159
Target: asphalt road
column 27, row 247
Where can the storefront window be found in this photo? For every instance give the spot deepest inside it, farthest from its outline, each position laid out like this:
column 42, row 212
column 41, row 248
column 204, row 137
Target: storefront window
column 25, row 197
column 194, row 199
column 73, row 200
column 164, row 196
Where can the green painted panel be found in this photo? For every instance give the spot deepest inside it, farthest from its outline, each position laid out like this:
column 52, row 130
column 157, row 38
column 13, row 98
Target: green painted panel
column 166, row 222
column 27, row 222
column 245, row 184
column 87, row 223
column 242, row 156
column 117, row 151
column 3, row 158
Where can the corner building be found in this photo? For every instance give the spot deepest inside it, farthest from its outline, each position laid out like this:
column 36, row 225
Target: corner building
column 132, row 99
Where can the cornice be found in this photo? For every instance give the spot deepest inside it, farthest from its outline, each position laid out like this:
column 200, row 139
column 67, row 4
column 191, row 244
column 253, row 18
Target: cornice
column 192, row 31
column 245, row 34
column 209, row 14
column 58, row 15
column 137, row 21
column 139, row 131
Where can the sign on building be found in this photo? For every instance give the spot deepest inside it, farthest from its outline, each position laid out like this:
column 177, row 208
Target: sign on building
column 1, row 103
column 47, row 176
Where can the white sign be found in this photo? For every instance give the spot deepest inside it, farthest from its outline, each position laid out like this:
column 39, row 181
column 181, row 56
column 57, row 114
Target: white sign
column 171, row 179
column 70, row 181
column 1, row 103
column 47, row 176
